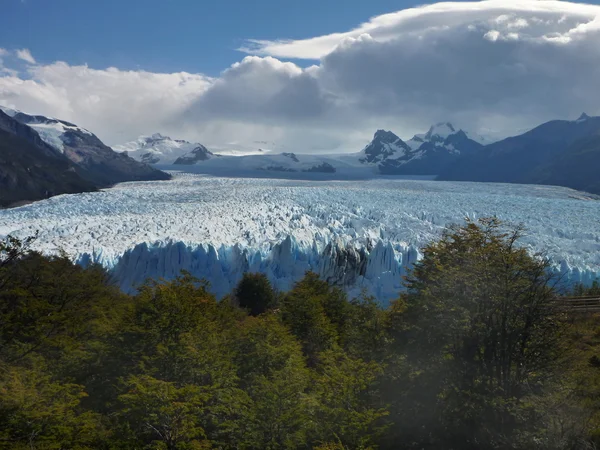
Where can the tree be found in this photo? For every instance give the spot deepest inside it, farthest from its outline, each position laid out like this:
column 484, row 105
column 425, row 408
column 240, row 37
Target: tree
column 480, row 329
column 49, row 305
column 175, row 345
column 346, row 412
column 39, row 412
column 311, row 310
column 272, row 369
column 159, row 412
column 255, row 293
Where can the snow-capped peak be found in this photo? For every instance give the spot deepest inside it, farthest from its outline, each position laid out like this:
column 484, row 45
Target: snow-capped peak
column 51, row 130
column 440, row 131
column 159, row 137
column 160, row 149
column 9, row 111
column 384, row 144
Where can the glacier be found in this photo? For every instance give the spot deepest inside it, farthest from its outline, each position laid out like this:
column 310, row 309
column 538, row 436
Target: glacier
column 361, row 234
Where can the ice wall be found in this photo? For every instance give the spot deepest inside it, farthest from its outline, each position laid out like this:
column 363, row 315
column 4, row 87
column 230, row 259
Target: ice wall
column 377, row 269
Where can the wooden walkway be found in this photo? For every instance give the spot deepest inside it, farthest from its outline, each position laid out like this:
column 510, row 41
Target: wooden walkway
column 581, row 304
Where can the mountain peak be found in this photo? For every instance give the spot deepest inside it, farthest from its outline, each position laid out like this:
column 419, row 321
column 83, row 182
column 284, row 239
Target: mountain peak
column 442, row 129
column 9, row 111
column 583, row 117
column 159, row 137
column 385, row 136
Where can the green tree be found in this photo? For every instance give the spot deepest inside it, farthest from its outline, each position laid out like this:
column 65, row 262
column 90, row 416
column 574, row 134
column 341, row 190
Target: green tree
column 176, row 341
column 159, row 414
column 311, row 310
column 481, row 331
column 272, row 369
column 347, row 413
column 36, row 412
column 255, row 293
column 49, row 305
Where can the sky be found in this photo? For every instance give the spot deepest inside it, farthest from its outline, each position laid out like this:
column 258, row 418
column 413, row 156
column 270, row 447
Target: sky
column 312, row 76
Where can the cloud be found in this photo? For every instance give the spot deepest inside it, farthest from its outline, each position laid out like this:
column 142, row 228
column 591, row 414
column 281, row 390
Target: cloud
column 25, row 55
column 420, row 20
column 117, row 105
column 266, row 88
column 490, row 65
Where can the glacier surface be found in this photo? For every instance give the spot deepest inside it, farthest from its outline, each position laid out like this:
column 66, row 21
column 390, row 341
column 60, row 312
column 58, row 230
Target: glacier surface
column 361, row 234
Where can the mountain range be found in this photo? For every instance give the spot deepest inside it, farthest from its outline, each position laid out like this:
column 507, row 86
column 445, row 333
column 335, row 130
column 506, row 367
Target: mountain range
column 560, row 152
column 424, row 154
column 41, row 157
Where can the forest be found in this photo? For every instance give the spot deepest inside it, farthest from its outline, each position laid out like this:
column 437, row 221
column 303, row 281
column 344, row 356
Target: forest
column 478, row 352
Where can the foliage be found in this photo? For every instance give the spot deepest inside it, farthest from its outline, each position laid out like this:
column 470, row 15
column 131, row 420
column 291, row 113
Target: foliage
column 255, row 293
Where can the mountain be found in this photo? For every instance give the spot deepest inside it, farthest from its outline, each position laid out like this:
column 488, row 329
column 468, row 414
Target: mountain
column 160, row 149
column 286, row 163
column 384, row 145
column 424, row 154
column 30, row 169
column 96, row 162
column 577, row 167
column 199, row 153
column 536, row 156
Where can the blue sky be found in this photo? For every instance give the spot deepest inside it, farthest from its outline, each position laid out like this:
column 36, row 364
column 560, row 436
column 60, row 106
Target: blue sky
column 324, row 77
column 164, row 36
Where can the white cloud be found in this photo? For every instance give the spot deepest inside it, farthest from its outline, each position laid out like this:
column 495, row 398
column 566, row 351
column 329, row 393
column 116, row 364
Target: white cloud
column 422, row 19
column 492, row 35
column 25, row 55
column 115, row 104
column 490, row 65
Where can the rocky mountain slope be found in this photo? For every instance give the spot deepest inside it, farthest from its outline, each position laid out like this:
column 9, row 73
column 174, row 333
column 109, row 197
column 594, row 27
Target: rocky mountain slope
column 425, row 154
column 97, row 162
column 30, row 169
column 557, row 152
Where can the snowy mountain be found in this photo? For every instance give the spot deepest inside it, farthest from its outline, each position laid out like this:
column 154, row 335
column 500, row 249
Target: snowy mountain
column 440, row 133
column 30, row 169
column 277, row 165
column 384, row 145
column 387, row 154
column 198, row 154
column 232, row 159
column 160, row 149
column 96, row 162
column 424, row 154
column 356, row 234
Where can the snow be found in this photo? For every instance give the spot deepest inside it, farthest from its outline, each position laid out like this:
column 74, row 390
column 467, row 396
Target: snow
column 50, row 130
column 279, row 165
column 440, row 130
column 360, row 233
column 163, row 149
column 50, row 134
column 9, row 111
